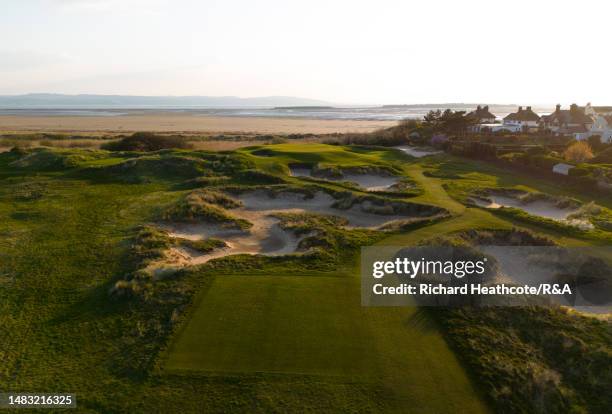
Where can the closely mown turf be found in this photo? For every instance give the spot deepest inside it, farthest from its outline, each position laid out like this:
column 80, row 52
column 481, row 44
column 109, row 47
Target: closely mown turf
column 314, row 324
column 284, row 324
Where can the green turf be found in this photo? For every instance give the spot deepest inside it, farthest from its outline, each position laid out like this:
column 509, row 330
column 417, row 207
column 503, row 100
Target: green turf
column 316, row 325
column 271, row 340
column 284, row 324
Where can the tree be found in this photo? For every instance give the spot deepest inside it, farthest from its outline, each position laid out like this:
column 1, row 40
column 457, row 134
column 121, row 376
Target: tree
column 433, row 120
column 578, row 152
column 456, row 123
column 449, row 121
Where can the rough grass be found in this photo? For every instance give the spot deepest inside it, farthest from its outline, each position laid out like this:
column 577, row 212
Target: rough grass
column 205, row 206
column 533, row 359
column 67, row 237
column 203, row 246
column 324, row 236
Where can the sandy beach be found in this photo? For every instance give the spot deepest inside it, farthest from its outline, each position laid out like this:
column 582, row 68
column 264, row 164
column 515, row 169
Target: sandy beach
column 171, row 122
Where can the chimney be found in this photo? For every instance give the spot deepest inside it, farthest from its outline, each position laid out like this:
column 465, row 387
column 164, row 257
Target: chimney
column 573, row 107
column 486, row 108
column 558, row 108
column 478, row 108
column 520, row 109
column 529, row 108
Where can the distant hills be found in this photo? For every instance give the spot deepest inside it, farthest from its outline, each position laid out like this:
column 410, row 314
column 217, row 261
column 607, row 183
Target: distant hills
column 49, row 100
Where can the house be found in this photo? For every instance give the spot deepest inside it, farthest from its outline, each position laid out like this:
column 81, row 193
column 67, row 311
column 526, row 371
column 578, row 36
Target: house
column 482, row 115
column 597, row 110
column 602, row 123
column 523, row 119
column 567, row 122
column 562, row 168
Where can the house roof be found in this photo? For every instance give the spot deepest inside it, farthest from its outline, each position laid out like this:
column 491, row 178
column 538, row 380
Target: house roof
column 481, row 112
column 602, row 109
column 574, row 115
column 568, row 117
column 523, row 115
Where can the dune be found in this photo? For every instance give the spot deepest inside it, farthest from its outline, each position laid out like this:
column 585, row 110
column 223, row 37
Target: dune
column 266, row 236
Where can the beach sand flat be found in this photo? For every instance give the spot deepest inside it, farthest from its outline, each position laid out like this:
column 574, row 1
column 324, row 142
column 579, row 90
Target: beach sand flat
column 171, row 122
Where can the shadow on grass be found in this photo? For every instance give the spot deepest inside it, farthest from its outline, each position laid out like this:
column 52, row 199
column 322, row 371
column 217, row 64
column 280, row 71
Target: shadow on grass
column 96, row 303
column 421, row 320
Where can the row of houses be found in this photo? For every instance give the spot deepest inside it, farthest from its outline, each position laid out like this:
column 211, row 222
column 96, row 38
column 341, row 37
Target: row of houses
column 581, row 122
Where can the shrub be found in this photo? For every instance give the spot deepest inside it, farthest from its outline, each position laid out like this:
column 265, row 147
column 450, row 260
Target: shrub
column 146, row 141
column 578, row 152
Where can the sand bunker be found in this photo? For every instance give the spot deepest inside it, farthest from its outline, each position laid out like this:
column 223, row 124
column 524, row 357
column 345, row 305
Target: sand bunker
column 540, row 208
column 321, row 203
column 417, row 151
column 266, row 236
column 369, row 182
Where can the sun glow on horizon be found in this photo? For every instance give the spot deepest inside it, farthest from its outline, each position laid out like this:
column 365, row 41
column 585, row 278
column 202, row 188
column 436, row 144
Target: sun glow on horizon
column 348, row 52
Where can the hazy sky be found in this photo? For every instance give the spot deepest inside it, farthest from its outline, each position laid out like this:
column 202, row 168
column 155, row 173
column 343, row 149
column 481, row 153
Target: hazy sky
column 503, row 51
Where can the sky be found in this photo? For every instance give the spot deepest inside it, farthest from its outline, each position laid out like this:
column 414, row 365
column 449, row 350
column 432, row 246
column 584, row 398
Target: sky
column 352, row 52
